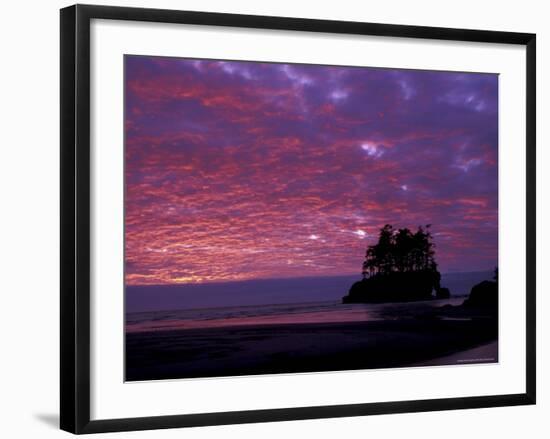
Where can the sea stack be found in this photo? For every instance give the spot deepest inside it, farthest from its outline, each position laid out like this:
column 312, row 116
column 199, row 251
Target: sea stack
column 401, row 267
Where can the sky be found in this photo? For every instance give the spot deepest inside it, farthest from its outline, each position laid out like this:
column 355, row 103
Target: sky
column 245, row 170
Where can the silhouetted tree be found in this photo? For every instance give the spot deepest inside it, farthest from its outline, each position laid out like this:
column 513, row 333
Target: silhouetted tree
column 399, row 267
column 404, row 250
column 400, row 251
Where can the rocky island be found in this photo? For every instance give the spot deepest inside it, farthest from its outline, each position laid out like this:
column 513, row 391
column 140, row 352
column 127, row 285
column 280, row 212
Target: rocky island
column 400, row 267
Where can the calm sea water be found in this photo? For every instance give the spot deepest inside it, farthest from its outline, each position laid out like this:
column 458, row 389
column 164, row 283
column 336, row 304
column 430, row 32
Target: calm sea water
column 317, row 301
column 311, row 312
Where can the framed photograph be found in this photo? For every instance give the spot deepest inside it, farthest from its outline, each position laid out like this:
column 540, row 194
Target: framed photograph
column 267, row 219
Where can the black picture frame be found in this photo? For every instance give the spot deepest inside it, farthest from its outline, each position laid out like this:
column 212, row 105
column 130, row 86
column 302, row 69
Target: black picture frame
column 75, row 217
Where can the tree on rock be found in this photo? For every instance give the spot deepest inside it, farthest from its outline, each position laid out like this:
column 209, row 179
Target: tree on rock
column 401, row 266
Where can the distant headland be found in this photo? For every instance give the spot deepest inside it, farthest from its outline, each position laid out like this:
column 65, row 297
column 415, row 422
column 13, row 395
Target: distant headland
column 401, row 267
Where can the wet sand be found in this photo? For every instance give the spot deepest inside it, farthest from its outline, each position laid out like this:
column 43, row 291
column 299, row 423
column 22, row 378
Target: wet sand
column 486, row 353
column 307, row 347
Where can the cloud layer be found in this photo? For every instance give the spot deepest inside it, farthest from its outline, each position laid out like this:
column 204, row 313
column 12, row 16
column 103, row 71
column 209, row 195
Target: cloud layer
column 245, row 170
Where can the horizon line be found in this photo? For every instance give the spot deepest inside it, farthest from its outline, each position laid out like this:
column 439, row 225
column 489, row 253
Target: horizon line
column 278, row 279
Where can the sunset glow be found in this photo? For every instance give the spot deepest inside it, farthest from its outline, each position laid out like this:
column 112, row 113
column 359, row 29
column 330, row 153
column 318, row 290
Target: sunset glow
column 247, row 170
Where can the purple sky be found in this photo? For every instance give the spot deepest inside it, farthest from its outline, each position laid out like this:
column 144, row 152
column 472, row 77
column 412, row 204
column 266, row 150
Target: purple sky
column 246, row 170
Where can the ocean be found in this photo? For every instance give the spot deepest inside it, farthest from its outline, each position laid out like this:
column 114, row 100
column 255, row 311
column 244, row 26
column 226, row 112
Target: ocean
column 282, row 308
column 286, row 313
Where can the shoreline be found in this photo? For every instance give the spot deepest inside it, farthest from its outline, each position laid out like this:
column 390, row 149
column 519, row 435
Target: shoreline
column 313, row 313
column 295, row 348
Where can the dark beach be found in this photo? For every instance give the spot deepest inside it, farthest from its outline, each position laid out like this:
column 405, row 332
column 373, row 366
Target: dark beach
column 309, row 347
